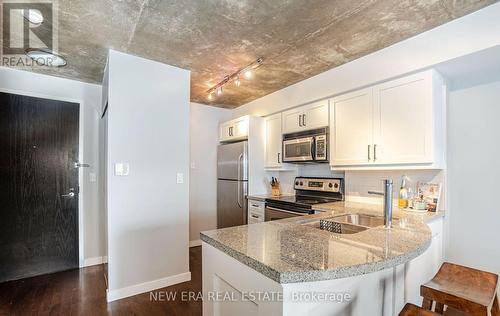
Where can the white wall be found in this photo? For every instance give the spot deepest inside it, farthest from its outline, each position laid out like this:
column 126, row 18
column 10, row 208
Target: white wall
column 471, row 33
column 148, row 211
column 89, row 96
column 473, row 176
column 204, row 129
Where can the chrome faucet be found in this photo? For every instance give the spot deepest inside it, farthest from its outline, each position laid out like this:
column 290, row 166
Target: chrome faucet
column 387, row 194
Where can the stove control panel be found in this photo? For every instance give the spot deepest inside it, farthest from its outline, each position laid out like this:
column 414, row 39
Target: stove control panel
column 319, row 184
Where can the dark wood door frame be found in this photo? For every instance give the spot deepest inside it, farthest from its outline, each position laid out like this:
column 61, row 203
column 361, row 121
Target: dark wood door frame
column 81, row 150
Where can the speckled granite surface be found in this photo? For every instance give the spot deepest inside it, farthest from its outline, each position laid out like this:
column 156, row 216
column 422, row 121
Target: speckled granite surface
column 294, row 250
column 263, row 197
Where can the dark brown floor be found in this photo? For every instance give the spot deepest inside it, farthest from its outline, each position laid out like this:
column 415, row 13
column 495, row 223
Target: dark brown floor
column 83, row 292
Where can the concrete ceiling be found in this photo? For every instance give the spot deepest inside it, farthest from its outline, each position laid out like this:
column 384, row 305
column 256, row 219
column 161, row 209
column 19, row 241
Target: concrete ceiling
column 214, row 38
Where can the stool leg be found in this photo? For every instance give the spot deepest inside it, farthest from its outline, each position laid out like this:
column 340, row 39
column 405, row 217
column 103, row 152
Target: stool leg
column 427, row 304
column 439, row 308
column 495, row 311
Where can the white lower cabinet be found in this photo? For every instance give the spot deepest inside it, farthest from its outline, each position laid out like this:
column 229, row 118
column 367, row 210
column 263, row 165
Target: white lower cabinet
column 423, row 268
column 396, row 124
column 256, row 210
column 385, row 291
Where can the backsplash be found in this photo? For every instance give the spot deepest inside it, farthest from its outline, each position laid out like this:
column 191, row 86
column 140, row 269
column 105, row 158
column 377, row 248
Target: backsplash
column 358, row 183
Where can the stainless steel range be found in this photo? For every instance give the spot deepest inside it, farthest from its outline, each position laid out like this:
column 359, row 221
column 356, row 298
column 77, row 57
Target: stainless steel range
column 308, row 192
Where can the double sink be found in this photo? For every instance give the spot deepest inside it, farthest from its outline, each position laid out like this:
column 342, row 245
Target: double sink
column 348, row 223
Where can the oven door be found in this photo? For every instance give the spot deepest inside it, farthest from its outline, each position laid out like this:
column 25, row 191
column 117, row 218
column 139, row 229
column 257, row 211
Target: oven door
column 273, row 214
column 298, row 149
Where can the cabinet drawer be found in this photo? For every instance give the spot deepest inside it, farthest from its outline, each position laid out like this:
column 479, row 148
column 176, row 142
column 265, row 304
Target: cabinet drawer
column 256, row 206
column 255, row 217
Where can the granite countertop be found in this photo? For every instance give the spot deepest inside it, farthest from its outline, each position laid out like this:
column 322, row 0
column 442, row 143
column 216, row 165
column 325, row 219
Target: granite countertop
column 263, row 197
column 294, row 250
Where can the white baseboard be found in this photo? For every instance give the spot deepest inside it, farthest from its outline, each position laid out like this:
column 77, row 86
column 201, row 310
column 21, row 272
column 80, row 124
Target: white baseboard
column 194, row 243
column 113, row 295
column 94, row 261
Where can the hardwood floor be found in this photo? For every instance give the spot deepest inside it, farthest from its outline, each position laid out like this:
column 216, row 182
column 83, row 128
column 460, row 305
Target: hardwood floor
column 83, row 292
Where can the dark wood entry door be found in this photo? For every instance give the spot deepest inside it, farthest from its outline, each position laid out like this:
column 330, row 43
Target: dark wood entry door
column 38, row 186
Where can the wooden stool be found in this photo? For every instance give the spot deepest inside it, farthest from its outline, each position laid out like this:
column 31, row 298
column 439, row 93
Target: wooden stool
column 467, row 290
column 413, row 310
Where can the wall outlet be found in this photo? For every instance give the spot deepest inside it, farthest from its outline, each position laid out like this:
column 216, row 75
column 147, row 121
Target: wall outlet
column 122, row 169
column 180, row 178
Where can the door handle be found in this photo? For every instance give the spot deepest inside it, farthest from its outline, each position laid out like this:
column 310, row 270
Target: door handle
column 239, row 180
column 70, row 194
column 81, row 165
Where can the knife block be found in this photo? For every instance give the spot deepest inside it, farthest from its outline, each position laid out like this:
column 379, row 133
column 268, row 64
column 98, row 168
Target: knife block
column 276, row 190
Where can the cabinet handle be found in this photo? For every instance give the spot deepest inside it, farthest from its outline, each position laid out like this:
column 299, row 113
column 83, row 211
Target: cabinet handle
column 255, row 216
column 374, row 152
column 300, row 120
column 279, row 158
column 369, row 150
column 255, row 205
column 304, row 120
column 231, row 131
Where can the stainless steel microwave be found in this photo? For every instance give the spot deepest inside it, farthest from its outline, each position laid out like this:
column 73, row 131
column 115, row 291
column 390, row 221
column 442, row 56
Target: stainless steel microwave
column 309, row 146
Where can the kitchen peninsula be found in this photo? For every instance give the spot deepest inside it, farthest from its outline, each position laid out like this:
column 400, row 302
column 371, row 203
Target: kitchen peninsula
column 315, row 271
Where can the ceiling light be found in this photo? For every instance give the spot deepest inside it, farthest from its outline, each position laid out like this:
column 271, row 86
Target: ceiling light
column 235, row 76
column 46, row 58
column 210, row 96
column 33, row 16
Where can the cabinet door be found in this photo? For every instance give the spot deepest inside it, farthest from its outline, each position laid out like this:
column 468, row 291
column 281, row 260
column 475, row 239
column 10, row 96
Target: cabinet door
column 273, row 141
column 292, row 121
column 240, row 129
column 351, row 131
column 403, row 120
column 315, row 115
column 225, row 131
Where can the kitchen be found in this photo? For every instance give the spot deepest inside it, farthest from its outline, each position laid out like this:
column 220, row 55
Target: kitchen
column 342, row 177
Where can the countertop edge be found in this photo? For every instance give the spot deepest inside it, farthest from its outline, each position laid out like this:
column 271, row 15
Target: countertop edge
column 312, row 276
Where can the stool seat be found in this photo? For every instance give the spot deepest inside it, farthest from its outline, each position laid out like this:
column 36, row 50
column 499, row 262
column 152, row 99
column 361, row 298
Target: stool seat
column 413, row 310
column 465, row 289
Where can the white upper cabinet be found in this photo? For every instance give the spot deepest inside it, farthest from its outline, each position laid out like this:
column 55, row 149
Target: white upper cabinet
column 234, row 130
column 315, row 115
column 273, row 141
column 352, row 128
column 292, row 120
column 404, row 120
column 307, row 117
column 397, row 124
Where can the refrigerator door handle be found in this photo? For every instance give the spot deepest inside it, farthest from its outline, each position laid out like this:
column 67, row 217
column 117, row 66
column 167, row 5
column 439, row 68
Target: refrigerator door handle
column 240, row 157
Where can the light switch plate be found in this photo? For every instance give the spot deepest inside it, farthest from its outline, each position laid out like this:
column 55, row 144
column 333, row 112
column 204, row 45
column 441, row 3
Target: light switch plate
column 180, row 178
column 121, row 169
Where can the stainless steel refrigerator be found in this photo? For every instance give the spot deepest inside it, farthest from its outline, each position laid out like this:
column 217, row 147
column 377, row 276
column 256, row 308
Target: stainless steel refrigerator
column 232, row 184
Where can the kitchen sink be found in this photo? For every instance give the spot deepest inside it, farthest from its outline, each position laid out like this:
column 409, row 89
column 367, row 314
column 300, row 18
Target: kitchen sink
column 347, row 223
column 363, row 220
